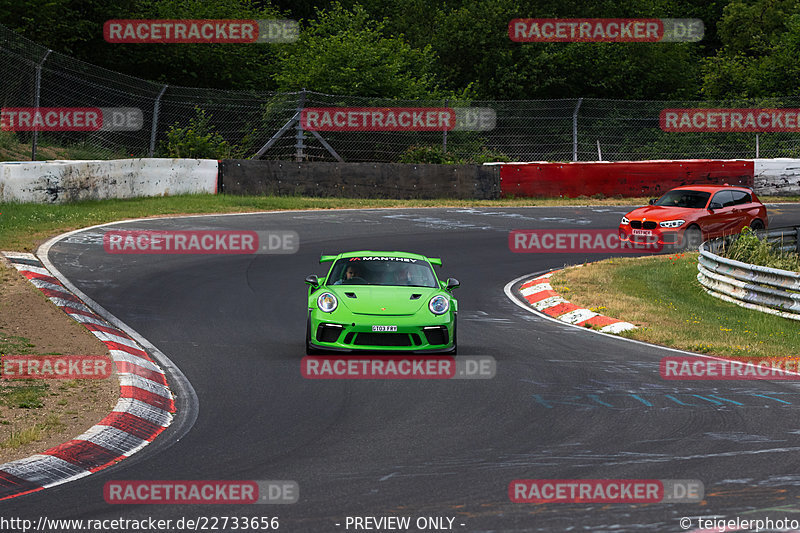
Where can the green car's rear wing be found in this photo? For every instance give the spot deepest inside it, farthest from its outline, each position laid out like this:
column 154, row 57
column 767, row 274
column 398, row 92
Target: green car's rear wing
column 435, row 261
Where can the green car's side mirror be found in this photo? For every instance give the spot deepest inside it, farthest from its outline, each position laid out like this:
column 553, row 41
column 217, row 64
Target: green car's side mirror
column 313, row 280
column 452, row 283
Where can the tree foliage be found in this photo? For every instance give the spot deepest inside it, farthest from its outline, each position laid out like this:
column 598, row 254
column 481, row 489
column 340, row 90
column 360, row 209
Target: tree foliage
column 346, row 52
column 758, row 57
column 440, row 48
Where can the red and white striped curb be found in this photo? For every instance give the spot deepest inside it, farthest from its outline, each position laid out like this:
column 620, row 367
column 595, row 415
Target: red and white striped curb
column 143, row 410
column 540, row 295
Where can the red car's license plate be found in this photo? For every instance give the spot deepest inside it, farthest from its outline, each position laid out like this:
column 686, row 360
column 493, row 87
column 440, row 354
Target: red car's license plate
column 642, row 232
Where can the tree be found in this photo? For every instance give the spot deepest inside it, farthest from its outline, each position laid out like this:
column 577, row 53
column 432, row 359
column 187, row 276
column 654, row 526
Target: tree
column 344, row 51
column 473, row 44
column 758, row 58
column 75, row 27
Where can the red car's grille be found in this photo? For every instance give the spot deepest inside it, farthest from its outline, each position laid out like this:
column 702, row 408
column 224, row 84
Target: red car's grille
column 649, row 224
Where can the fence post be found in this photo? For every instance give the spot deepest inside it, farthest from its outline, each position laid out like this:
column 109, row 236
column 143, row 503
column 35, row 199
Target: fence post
column 444, row 133
column 299, row 146
column 36, row 95
column 757, row 146
column 153, row 130
column 575, row 130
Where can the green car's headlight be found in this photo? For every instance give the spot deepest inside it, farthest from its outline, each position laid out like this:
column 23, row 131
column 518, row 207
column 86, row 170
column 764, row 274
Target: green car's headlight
column 327, row 302
column 439, row 305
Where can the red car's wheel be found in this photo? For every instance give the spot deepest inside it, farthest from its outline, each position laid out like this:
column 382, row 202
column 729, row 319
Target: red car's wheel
column 692, row 238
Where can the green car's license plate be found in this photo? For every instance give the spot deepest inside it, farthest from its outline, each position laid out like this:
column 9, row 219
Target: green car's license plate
column 384, row 328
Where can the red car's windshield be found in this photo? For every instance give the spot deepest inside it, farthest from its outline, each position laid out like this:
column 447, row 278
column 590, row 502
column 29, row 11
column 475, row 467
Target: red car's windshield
column 684, row 198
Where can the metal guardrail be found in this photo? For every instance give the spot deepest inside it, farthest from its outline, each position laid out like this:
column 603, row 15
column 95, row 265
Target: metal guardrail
column 765, row 289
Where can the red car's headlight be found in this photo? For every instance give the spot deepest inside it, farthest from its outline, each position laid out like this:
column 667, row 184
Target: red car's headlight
column 672, row 223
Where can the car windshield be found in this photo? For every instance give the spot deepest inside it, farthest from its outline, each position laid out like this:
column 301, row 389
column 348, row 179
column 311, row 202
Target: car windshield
column 381, row 270
column 684, row 198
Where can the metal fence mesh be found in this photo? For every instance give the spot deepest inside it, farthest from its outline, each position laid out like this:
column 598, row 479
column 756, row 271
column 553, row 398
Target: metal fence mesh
column 526, row 130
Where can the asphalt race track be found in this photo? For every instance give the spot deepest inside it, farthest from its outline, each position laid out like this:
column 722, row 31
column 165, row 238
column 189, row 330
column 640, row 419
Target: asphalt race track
column 565, row 403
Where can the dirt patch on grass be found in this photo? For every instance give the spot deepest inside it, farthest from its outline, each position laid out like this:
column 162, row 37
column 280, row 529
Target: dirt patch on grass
column 38, row 414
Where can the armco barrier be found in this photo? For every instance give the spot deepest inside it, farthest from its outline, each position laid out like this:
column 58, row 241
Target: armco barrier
column 765, row 289
column 65, row 181
column 359, row 180
column 622, row 178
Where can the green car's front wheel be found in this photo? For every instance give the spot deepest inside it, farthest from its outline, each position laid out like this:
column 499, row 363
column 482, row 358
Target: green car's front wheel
column 309, row 349
column 455, row 337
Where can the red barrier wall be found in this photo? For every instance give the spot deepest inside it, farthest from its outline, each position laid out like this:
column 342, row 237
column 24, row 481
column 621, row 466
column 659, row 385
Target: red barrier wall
column 624, row 178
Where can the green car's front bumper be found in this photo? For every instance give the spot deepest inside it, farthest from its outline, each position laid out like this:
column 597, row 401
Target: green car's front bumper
column 413, row 335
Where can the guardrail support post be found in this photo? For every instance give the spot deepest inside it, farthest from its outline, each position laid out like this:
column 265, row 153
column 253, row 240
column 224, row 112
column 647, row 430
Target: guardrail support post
column 797, row 239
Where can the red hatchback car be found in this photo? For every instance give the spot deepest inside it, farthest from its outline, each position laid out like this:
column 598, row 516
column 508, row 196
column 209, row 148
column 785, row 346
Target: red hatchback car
column 686, row 216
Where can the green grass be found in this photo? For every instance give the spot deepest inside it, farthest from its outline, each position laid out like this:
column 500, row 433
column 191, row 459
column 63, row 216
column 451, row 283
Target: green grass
column 14, row 345
column 661, row 294
column 11, row 149
column 24, row 396
column 31, row 434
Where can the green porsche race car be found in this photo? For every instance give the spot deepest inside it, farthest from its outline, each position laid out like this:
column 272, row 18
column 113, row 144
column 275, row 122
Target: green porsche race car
column 381, row 302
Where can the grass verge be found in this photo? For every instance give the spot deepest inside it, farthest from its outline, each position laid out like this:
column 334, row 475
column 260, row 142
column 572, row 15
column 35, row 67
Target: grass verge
column 662, row 296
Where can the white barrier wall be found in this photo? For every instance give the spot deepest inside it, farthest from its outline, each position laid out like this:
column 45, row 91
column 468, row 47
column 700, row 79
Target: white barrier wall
column 66, row 181
column 776, row 177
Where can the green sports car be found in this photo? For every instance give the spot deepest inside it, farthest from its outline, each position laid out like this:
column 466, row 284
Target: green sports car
column 381, row 302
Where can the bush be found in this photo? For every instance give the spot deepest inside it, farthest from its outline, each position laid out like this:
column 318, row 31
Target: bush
column 8, row 139
column 428, row 154
column 434, row 154
column 748, row 248
column 198, row 140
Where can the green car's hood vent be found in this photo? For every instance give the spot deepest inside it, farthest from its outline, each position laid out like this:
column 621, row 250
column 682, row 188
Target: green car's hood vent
column 383, row 300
